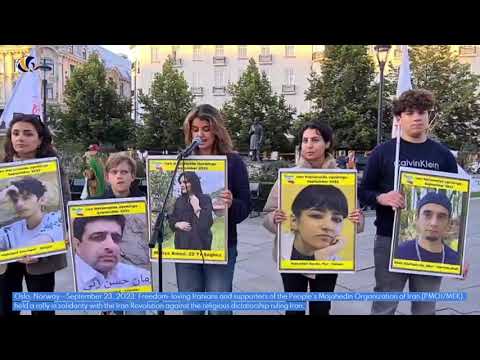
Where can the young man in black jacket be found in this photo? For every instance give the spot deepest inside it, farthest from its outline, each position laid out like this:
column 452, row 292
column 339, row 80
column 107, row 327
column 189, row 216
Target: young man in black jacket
column 376, row 189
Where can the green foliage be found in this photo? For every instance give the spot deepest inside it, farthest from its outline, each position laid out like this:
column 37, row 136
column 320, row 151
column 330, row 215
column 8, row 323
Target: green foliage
column 267, row 171
column 94, row 112
column 164, row 110
column 72, row 162
column 345, row 95
column 158, row 186
column 252, row 98
column 456, row 116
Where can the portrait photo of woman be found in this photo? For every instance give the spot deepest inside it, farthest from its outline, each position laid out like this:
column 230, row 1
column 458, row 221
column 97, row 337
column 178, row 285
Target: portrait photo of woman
column 192, row 215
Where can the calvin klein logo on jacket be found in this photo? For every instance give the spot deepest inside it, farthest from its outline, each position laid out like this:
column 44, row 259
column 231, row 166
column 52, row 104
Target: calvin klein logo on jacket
column 425, row 164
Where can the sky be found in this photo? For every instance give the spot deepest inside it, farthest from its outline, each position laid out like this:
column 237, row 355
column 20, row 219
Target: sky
column 122, row 49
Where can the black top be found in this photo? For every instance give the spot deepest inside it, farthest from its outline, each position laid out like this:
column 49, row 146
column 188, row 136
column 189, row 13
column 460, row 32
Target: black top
column 240, row 187
column 408, row 251
column 108, row 194
column 380, row 173
column 298, row 256
column 200, row 235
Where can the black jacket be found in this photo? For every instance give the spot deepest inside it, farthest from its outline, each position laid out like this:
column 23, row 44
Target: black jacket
column 108, row 194
column 200, row 236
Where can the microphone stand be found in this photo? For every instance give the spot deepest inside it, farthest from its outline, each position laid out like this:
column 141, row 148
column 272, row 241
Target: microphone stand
column 157, row 236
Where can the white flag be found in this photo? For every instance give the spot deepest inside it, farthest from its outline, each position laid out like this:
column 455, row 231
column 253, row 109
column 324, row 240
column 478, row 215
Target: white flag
column 26, row 95
column 404, row 81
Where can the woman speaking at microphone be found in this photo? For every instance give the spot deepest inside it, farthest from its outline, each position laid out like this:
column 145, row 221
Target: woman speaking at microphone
column 207, row 123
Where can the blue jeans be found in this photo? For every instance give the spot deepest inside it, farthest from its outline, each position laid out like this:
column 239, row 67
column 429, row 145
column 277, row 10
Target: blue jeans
column 392, row 281
column 207, row 278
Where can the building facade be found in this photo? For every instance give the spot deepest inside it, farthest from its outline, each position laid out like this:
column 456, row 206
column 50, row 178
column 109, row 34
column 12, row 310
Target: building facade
column 209, row 69
column 63, row 59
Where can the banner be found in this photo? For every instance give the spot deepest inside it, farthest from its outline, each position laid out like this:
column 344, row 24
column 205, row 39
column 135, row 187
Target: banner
column 317, row 237
column 430, row 232
column 110, row 245
column 26, row 95
column 196, row 227
column 32, row 219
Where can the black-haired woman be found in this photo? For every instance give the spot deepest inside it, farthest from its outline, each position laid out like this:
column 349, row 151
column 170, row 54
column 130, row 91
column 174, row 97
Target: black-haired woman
column 192, row 216
column 316, row 139
column 28, row 138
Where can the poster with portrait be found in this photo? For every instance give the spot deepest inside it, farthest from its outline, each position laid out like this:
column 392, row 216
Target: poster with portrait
column 109, row 241
column 429, row 234
column 196, row 226
column 317, row 237
column 32, row 215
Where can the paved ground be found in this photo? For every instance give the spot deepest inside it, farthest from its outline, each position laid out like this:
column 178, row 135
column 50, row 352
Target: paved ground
column 256, row 271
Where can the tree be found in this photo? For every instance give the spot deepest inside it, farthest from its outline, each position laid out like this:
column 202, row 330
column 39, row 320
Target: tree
column 252, row 98
column 456, row 115
column 345, row 95
column 93, row 110
column 164, row 110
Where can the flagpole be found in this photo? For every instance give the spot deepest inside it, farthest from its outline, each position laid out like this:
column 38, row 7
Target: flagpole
column 404, row 84
column 397, row 158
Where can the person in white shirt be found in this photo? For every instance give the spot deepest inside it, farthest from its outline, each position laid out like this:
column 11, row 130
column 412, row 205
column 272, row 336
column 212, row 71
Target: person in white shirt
column 97, row 255
column 35, row 227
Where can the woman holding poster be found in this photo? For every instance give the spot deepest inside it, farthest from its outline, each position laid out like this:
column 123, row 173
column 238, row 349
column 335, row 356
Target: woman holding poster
column 207, row 123
column 315, row 153
column 29, row 138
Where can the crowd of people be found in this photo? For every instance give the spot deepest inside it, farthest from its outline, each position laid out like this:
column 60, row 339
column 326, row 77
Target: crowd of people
column 29, row 138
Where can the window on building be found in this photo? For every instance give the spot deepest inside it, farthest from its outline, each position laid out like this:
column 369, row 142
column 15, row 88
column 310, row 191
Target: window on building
column 70, row 49
column 72, row 69
column 265, row 50
column 197, row 55
column 2, row 65
column 50, row 92
column 122, row 89
column 49, row 62
column 467, row 50
column 196, row 80
column 219, row 50
column 289, row 76
column 219, row 77
column 242, row 51
column 289, row 50
column 155, row 54
column 84, row 54
column 175, row 51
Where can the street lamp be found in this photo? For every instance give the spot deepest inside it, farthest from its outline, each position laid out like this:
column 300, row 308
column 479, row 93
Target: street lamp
column 382, row 54
column 44, row 67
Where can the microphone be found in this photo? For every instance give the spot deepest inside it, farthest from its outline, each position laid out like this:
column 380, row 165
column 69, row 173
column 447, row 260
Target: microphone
column 188, row 151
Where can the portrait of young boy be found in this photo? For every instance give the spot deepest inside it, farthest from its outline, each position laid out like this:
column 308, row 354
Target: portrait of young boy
column 35, row 227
